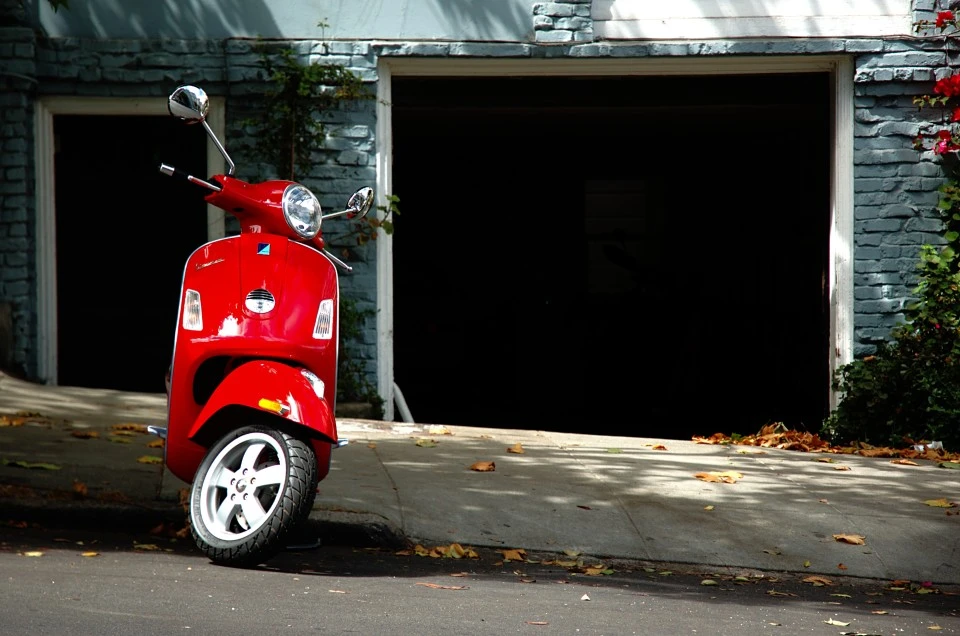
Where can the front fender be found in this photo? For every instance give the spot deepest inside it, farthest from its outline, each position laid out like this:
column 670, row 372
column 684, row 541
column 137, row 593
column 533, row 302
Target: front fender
column 274, row 388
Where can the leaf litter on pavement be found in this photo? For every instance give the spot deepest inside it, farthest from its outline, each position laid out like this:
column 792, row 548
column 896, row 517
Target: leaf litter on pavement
column 778, row 436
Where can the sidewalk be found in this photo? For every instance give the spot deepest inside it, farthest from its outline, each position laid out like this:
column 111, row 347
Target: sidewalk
column 600, row 496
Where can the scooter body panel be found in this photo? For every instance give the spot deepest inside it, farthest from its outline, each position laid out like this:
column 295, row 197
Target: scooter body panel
column 258, row 296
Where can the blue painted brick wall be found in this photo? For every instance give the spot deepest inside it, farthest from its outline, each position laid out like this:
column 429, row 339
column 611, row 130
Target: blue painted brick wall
column 17, row 273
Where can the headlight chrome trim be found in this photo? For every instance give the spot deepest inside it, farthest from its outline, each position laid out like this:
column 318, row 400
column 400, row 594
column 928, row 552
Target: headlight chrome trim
column 301, row 210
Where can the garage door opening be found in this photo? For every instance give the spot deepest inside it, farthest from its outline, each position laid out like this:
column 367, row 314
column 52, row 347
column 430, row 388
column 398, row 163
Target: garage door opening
column 124, row 232
column 641, row 256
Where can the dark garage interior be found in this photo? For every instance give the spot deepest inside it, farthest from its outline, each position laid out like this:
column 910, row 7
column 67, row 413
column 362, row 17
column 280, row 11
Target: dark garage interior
column 638, row 256
column 124, row 232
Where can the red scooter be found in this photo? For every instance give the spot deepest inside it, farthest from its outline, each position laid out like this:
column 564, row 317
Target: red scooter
column 252, row 387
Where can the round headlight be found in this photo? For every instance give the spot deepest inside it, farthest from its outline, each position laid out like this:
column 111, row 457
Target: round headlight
column 301, row 209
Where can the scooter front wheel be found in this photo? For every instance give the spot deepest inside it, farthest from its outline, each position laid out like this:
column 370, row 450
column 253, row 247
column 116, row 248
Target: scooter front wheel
column 253, row 488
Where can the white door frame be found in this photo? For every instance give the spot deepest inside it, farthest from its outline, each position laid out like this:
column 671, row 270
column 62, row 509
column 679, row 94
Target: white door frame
column 841, row 171
column 46, row 231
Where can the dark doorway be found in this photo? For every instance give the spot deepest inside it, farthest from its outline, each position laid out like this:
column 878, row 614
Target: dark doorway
column 632, row 256
column 124, row 232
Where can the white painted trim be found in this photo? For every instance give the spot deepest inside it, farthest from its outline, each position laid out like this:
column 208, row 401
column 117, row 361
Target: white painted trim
column 689, row 65
column 384, row 151
column 840, row 278
column 739, row 28
column 45, row 245
column 710, row 19
column 841, row 199
column 636, row 9
column 46, row 237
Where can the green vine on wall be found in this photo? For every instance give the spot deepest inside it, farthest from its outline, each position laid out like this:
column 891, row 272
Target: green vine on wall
column 291, row 127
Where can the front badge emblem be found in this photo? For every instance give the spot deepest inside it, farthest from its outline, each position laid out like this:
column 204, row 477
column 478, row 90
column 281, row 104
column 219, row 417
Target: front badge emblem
column 263, row 249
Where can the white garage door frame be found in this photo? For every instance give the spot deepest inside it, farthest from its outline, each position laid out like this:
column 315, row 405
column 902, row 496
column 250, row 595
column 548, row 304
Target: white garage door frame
column 46, row 231
column 841, row 170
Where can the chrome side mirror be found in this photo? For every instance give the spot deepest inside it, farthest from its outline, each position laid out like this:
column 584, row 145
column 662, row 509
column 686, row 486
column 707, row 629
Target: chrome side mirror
column 189, row 103
column 360, row 203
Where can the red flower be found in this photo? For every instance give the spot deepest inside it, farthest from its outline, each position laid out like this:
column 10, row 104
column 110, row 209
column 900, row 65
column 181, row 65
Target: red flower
column 945, row 143
column 948, row 86
column 956, row 115
column 943, row 17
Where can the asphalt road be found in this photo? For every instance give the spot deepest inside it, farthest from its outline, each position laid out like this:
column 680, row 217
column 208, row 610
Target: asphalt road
column 56, row 580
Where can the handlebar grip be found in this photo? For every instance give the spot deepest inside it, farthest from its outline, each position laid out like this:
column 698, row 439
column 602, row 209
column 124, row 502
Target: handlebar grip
column 170, row 171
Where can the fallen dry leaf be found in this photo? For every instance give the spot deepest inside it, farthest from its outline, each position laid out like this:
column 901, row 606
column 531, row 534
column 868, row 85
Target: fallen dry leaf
column 136, row 428
column 85, row 434
column 818, row 580
column 853, row 539
column 79, row 487
column 372, row 445
column 537, row 623
column 940, row 503
column 435, row 586
column 518, row 554
column 6, row 420
column 841, row 468
column 516, row 448
column 841, row 566
column 776, row 593
column 483, row 467
column 89, row 554
column 423, row 442
column 727, row 477
column 708, row 507
column 452, row 551
column 33, row 465
column 457, row 551
column 438, row 429
column 148, row 547
column 337, row 591
column 157, row 443
column 836, row 622
column 659, row 447
column 150, row 459
column 904, row 462
column 32, row 553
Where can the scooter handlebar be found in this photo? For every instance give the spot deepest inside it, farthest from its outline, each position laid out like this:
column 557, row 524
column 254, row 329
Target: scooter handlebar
column 170, row 171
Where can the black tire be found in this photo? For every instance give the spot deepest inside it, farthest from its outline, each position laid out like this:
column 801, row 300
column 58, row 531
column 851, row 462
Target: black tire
column 237, row 521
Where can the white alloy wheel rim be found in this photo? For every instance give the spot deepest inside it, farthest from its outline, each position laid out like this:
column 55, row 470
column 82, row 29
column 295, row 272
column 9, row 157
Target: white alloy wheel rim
column 242, row 487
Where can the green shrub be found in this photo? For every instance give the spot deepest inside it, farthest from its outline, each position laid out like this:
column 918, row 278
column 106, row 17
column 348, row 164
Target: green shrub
column 909, row 390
